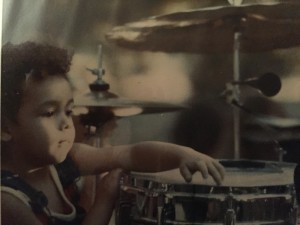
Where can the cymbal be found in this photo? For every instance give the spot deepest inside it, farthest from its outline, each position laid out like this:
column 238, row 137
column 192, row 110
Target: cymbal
column 123, row 106
column 279, row 122
column 263, row 27
column 271, row 128
column 264, row 136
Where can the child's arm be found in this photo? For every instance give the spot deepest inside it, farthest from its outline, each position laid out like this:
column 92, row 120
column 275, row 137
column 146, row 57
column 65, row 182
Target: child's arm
column 146, row 157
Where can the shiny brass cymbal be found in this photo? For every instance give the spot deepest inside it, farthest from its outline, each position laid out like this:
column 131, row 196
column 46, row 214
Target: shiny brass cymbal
column 123, row 106
column 263, row 27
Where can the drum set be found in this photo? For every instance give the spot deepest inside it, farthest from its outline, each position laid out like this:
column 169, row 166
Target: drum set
column 254, row 192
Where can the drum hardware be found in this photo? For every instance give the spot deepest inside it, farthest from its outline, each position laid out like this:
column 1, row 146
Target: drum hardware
column 151, row 203
column 159, row 214
column 245, row 28
column 236, row 93
column 283, row 133
column 132, row 189
column 280, row 151
column 271, row 136
column 141, row 200
column 277, row 130
column 100, row 97
column 103, row 107
column 167, row 211
column 248, row 206
column 297, row 182
column 294, row 210
column 99, row 84
column 242, row 199
column 264, row 27
column 230, row 216
column 269, row 84
column 234, row 24
column 297, row 190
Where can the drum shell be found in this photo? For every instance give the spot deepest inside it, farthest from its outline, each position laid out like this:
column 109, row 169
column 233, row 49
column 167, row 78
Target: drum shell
column 147, row 201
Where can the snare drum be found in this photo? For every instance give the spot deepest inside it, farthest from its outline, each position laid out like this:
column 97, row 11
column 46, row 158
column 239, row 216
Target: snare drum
column 253, row 192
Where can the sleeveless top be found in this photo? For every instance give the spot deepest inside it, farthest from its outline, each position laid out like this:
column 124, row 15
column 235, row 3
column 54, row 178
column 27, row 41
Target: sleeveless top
column 64, row 176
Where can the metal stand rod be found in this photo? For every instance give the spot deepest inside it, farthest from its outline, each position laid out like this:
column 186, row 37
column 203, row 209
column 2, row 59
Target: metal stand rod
column 236, row 93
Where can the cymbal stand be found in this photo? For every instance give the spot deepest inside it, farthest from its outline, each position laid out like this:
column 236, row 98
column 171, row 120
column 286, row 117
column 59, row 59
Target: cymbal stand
column 95, row 120
column 236, row 94
column 99, row 85
column 96, row 137
column 235, row 89
column 93, row 137
column 232, row 93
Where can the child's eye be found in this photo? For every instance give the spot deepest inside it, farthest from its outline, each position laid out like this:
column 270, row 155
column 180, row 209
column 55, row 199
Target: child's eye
column 69, row 112
column 48, row 114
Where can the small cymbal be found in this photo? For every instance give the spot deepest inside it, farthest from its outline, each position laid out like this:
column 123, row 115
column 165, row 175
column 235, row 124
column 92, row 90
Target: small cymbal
column 123, row 106
column 211, row 30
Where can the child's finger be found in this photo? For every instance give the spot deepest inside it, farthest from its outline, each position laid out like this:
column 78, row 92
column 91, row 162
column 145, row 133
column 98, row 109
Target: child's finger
column 200, row 166
column 186, row 173
column 214, row 172
column 220, row 168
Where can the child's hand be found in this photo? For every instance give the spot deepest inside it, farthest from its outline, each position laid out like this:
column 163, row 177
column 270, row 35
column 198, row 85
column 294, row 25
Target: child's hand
column 109, row 186
column 202, row 163
column 106, row 194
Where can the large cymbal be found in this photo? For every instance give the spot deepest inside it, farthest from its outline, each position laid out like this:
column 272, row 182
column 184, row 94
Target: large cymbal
column 279, row 122
column 123, row 106
column 271, row 128
column 263, row 27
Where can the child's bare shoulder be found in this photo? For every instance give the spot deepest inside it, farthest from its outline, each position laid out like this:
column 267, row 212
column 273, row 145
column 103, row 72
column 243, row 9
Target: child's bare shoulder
column 15, row 212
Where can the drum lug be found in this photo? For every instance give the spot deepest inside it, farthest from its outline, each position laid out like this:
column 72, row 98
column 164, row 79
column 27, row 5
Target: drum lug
column 167, row 211
column 159, row 213
column 293, row 214
column 230, row 215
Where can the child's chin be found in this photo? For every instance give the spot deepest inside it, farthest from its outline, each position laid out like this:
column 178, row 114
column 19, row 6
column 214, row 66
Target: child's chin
column 63, row 154
column 60, row 158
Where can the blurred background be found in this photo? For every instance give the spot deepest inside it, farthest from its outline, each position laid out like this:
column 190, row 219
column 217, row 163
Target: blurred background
column 195, row 79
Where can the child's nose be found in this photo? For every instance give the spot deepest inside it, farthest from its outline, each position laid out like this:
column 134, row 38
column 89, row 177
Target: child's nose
column 64, row 122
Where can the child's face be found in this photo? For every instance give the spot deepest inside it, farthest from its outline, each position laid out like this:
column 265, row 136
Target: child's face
column 44, row 132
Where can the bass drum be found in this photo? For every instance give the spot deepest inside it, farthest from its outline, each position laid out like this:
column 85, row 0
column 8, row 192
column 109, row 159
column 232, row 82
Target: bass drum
column 253, row 192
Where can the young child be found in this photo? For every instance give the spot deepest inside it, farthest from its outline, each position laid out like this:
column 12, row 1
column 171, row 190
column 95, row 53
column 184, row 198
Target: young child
column 40, row 160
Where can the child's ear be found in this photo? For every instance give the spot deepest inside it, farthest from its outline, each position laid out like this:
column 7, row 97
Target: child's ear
column 5, row 130
column 5, row 135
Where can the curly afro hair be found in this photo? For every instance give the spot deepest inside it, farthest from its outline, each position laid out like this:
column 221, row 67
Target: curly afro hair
column 19, row 60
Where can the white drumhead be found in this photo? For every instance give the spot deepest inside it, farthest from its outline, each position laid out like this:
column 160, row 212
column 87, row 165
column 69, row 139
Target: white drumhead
column 235, row 2
column 233, row 178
